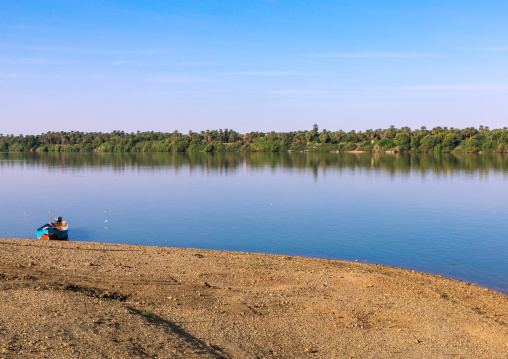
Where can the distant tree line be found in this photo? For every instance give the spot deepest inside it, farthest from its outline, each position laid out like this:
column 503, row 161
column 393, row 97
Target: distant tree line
column 438, row 139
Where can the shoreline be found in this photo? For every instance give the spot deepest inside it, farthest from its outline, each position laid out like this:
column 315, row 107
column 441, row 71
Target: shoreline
column 99, row 300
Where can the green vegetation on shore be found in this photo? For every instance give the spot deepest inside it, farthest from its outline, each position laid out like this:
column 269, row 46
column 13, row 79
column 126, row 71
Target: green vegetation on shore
column 438, row 139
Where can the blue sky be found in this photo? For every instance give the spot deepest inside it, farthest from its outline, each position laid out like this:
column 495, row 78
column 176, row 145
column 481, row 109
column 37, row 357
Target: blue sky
column 251, row 65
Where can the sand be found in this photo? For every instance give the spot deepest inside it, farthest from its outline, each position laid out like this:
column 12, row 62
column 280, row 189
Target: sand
column 94, row 300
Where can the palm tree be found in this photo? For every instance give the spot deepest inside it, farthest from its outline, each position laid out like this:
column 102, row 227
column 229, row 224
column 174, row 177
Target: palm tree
column 314, row 132
column 436, row 130
column 406, row 130
column 390, row 133
column 324, row 136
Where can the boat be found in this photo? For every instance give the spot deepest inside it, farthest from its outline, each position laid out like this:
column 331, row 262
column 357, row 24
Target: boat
column 54, row 231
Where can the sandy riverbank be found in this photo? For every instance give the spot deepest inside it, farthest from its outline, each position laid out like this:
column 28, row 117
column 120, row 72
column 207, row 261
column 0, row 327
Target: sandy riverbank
column 93, row 300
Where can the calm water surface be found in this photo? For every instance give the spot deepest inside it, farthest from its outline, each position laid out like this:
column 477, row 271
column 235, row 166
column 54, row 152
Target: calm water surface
column 442, row 214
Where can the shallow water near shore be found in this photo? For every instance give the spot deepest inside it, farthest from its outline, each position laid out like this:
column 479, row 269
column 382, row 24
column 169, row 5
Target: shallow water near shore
column 444, row 214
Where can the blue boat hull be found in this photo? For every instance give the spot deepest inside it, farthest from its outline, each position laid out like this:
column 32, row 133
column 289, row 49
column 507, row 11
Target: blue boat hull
column 48, row 232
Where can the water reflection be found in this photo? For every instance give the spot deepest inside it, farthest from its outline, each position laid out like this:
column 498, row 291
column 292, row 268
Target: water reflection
column 230, row 162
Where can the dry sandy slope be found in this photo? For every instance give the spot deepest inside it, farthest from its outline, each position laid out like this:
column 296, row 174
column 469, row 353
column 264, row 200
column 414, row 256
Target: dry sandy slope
column 93, row 300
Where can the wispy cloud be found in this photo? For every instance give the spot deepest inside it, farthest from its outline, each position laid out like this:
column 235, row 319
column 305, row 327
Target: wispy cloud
column 264, row 73
column 163, row 63
column 31, row 61
column 87, row 50
column 15, row 75
column 39, row 61
column 453, row 87
column 299, row 92
column 178, row 79
column 386, row 55
column 166, row 92
column 416, row 88
column 497, row 48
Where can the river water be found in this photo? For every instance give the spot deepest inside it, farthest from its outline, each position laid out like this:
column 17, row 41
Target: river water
column 444, row 214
